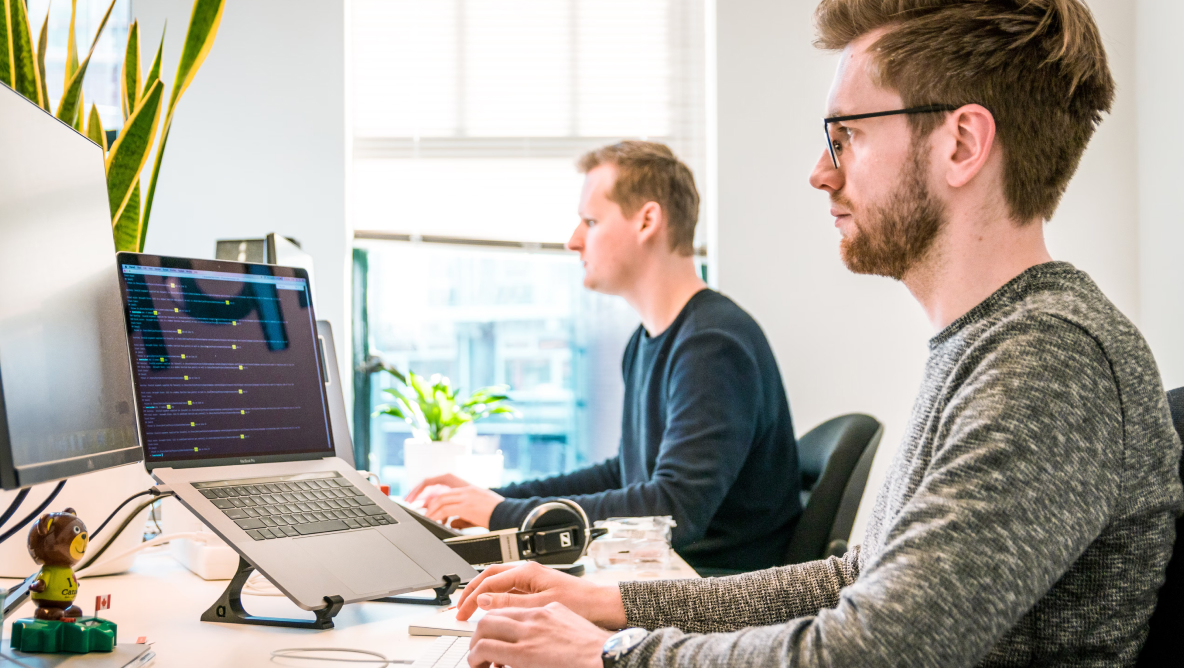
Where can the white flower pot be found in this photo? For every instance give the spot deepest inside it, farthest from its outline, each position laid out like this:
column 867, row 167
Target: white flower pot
column 484, row 470
column 425, row 459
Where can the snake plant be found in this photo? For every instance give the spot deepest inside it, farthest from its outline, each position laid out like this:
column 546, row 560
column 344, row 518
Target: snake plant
column 22, row 68
column 434, row 408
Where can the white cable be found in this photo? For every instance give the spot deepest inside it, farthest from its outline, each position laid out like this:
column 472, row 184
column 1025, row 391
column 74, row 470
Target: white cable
column 159, row 540
column 259, row 585
column 296, row 652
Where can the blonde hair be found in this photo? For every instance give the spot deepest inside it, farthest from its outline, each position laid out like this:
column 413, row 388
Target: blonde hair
column 650, row 172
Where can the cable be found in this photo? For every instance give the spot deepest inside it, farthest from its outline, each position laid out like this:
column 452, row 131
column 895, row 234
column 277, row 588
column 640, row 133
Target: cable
column 16, row 503
column 159, row 540
column 118, row 508
column 296, row 652
column 91, row 558
column 33, row 515
column 153, row 513
column 259, row 585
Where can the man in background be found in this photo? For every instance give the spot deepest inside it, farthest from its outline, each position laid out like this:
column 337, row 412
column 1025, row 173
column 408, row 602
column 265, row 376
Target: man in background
column 706, row 435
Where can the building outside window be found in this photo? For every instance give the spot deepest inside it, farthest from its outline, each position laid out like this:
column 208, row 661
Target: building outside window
column 467, row 118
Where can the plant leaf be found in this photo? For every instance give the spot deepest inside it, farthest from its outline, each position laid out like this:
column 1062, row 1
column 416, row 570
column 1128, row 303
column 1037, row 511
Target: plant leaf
column 24, row 61
column 80, row 117
column 129, row 79
column 129, row 154
column 71, row 102
column 6, row 60
column 94, row 129
column 42, row 45
column 130, row 228
column 71, row 105
column 127, row 226
column 71, row 48
column 203, row 28
column 154, row 71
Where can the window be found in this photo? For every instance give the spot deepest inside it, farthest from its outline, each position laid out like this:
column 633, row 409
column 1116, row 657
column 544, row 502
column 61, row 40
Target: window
column 467, row 117
column 497, row 317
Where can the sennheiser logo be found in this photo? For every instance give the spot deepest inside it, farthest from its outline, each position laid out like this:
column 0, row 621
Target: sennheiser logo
column 246, row 461
column 565, row 539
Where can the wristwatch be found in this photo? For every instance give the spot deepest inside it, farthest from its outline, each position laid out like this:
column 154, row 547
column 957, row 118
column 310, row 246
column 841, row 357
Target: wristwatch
column 621, row 643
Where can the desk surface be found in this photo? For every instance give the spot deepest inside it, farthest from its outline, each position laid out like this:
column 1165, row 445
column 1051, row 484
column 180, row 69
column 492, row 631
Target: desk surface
column 162, row 600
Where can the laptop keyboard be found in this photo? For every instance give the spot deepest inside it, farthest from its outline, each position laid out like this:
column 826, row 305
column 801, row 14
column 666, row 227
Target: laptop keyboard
column 296, row 505
column 445, row 652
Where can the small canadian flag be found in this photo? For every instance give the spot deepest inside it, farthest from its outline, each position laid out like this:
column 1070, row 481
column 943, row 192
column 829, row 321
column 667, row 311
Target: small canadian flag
column 102, row 603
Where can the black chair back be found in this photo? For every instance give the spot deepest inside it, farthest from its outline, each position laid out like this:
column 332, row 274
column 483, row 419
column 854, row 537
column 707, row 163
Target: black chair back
column 834, row 458
column 1164, row 646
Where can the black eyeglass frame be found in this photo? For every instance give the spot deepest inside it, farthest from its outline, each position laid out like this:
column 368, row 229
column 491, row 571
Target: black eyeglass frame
column 925, row 109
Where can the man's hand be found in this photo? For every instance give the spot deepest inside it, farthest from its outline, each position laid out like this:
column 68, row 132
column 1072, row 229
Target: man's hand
column 535, row 586
column 473, row 505
column 537, row 638
column 446, row 480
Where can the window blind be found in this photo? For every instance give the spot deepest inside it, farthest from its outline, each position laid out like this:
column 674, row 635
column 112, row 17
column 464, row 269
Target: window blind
column 468, row 114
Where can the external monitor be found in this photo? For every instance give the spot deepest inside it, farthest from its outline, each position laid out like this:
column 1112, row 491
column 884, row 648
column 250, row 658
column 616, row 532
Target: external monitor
column 66, row 403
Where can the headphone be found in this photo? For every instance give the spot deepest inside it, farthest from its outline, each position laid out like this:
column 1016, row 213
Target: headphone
column 554, row 532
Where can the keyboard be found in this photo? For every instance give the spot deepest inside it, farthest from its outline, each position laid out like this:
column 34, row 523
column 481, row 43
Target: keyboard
column 295, row 505
column 445, row 652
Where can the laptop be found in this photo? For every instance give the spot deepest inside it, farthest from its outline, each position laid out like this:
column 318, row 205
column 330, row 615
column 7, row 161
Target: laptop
column 234, row 419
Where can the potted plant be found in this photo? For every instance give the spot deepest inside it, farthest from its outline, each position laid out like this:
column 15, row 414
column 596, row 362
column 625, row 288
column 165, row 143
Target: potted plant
column 142, row 98
column 437, row 415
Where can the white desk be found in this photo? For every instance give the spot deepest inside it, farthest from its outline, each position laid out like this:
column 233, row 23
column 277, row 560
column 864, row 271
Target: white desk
column 162, row 600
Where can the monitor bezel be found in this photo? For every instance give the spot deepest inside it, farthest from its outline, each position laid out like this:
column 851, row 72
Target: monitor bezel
column 224, row 266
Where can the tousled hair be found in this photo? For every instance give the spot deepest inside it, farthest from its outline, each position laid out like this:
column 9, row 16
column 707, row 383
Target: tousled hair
column 1038, row 66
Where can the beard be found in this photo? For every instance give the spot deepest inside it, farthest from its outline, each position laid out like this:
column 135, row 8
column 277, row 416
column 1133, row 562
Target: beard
column 893, row 237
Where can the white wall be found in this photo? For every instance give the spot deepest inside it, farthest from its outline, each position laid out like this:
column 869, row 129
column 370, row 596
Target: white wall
column 1161, row 179
column 258, row 140
column 854, row 343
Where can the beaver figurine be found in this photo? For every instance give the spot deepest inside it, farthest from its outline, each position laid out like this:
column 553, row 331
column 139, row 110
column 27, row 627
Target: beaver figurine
column 57, row 541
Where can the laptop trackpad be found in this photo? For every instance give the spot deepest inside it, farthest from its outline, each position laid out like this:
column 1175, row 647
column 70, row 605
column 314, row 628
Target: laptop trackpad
column 385, row 567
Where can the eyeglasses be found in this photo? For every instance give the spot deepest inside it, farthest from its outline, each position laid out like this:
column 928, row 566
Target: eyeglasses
column 834, row 145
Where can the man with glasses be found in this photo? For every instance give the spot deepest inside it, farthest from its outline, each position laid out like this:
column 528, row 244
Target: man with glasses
column 1029, row 513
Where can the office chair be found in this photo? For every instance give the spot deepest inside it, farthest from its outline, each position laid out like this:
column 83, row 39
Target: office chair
column 1163, row 646
column 835, row 458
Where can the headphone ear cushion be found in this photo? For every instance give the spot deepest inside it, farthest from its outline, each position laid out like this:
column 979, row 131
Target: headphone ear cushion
column 558, row 512
column 583, row 521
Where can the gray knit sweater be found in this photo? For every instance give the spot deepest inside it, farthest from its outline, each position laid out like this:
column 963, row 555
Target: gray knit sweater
column 1027, row 518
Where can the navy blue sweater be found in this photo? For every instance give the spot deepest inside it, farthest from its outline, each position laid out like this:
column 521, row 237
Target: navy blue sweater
column 706, row 437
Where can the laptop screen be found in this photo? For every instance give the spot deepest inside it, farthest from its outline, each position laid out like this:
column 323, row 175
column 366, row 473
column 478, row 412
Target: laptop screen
column 225, row 361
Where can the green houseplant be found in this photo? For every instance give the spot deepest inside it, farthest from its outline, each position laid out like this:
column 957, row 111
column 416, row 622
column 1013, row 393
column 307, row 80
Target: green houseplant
column 22, row 68
column 434, row 408
column 436, row 412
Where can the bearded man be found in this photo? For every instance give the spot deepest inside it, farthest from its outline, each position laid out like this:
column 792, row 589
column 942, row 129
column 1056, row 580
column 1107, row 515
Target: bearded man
column 1029, row 513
